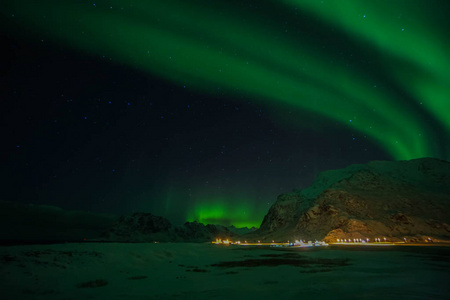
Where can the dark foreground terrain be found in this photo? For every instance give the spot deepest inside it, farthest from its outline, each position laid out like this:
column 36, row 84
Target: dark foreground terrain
column 203, row 271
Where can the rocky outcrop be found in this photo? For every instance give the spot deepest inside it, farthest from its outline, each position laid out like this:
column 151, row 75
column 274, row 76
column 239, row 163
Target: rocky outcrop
column 143, row 223
column 396, row 200
column 145, row 227
column 241, row 230
column 139, row 227
column 283, row 213
column 198, row 232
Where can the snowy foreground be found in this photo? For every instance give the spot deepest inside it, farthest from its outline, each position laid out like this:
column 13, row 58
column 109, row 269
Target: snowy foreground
column 205, row 271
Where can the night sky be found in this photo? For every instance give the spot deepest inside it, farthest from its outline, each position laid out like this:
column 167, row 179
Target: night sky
column 207, row 110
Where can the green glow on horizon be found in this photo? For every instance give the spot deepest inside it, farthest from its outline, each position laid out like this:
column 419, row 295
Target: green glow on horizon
column 222, row 212
column 206, row 46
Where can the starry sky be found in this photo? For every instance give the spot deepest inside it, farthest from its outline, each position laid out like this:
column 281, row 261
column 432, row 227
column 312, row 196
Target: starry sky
column 207, row 110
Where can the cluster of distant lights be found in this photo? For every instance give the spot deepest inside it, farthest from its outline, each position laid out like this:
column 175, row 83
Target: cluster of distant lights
column 367, row 240
column 340, row 241
column 228, row 242
column 377, row 240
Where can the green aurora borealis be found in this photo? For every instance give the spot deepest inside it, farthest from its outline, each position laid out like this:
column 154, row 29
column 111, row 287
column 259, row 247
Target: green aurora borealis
column 219, row 211
column 377, row 67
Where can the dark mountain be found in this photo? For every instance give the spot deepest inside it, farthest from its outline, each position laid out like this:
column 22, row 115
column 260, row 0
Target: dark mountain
column 145, row 227
column 34, row 224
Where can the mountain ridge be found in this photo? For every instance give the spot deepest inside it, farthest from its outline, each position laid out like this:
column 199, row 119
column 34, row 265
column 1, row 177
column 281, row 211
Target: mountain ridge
column 146, row 227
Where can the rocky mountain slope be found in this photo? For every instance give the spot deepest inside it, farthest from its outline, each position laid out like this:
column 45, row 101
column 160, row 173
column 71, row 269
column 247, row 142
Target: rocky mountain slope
column 396, row 200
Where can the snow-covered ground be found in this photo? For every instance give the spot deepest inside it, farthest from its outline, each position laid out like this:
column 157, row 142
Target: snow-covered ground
column 206, row 271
